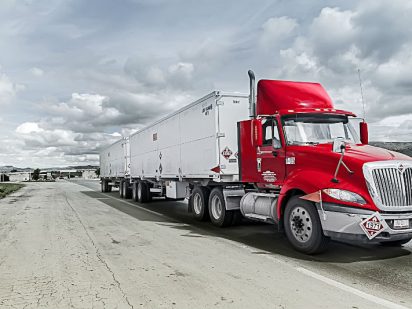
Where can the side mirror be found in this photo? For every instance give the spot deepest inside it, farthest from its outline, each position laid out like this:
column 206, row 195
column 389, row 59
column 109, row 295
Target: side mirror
column 276, row 143
column 364, row 135
column 338, row 145
column 257, row 135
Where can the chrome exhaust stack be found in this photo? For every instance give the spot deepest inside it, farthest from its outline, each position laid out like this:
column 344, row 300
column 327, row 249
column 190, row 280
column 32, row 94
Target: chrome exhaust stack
column 252, row 94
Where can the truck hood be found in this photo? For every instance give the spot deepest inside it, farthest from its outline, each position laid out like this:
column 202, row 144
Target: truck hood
column 367, row 153
column 315, row 167
column 357, row 154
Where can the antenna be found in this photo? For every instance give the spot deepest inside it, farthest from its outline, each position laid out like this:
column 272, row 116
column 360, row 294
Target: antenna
column 361, row 91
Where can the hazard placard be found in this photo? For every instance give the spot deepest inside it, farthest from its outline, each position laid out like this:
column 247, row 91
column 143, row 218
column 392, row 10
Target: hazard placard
column 227, row 153
column 373, row 225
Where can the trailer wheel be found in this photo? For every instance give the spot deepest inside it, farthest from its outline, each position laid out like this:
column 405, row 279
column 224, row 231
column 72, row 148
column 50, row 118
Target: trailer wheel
column 109, row 188
column 143, row 192
column 103, row 186
column 127, row 193
column 121, row 188
column 198, row 203
column 219, row 215
column 303, row 227
column 134, row 192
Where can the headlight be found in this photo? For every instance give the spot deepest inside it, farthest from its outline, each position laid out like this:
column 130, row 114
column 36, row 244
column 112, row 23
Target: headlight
column 344, row 195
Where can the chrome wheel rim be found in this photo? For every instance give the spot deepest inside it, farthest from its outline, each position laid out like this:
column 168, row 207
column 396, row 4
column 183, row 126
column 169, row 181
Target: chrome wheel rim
column 216, row 207
column 301, row 224
column 197, row 204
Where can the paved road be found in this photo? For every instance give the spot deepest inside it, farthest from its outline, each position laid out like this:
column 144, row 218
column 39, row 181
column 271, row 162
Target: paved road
column 66, row 245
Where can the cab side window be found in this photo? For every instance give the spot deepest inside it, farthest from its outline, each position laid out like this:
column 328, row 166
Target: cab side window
column 267, row 126
column 270, row 133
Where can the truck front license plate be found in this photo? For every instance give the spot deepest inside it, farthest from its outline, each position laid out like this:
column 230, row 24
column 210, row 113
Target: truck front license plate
column 401, row 224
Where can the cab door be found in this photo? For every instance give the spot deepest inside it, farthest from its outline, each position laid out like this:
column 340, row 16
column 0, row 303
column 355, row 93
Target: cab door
column 271, row 155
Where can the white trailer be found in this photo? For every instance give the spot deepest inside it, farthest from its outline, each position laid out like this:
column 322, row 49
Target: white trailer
column 114, row 164
column 190, row 143
column 193, row 147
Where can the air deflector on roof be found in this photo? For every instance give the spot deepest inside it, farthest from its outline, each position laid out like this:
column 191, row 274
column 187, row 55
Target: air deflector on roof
column 276, row 95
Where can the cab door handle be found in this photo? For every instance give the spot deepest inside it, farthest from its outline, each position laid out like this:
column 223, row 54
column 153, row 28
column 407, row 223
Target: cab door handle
column 259, row 164
column 275, row 153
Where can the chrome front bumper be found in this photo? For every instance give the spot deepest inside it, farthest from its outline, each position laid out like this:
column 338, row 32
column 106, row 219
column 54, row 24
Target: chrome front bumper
column 344, row 223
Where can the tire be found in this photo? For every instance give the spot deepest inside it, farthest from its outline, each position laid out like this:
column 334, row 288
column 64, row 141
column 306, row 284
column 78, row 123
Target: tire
column 134, row 192
column 303, row 227
column 143, row 192
column 395, row 243
column 127, row 193
column 218, row 213
column 121, row 188
column 199, row 202
column 109, row 188
column 103, row 186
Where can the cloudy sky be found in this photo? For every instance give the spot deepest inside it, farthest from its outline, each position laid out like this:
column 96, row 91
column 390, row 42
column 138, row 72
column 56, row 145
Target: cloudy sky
column 75, row 75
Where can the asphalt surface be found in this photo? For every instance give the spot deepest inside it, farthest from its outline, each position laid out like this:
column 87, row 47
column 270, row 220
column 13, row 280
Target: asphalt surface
column 66, row 245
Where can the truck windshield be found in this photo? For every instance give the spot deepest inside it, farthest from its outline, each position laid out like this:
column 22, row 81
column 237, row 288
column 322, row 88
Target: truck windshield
column 317, row 129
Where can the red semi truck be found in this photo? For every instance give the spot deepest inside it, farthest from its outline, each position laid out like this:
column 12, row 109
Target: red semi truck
column 296, row 162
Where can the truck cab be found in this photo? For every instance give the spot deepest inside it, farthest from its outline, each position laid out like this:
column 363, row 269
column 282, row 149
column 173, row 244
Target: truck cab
column 312, row 174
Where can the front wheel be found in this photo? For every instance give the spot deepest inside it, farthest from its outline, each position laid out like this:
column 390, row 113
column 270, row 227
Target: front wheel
column 303, row 227
column 219, row 215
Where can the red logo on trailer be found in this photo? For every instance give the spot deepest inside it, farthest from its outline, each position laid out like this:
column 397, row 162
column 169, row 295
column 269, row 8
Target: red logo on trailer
column 227, row 153
column 372, row 226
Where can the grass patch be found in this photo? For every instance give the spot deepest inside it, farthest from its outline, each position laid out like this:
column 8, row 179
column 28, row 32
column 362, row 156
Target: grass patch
column 7, row 188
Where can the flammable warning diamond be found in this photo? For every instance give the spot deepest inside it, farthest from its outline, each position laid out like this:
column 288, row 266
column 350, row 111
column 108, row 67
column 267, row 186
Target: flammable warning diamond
column 373, row 225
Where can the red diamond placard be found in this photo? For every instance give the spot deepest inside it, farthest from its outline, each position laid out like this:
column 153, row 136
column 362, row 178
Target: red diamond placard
column 227, row 153
column 373, row 225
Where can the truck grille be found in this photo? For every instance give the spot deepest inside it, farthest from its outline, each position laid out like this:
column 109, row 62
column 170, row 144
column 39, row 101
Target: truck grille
column 393, row 185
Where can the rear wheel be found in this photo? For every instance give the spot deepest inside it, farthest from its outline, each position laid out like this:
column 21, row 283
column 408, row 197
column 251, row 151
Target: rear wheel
column 134, row 192
column 199, row 201
column 103, row 185
column 127, row 193
column 219, row 215
column 303, row 227
column 121, row 188
column 143, row 194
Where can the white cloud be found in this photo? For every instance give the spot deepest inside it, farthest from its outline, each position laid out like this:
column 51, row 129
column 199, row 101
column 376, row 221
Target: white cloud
column 28, row 127
column 8, row 89
column 37, row 72
column 276, row 30
column 392, row 129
